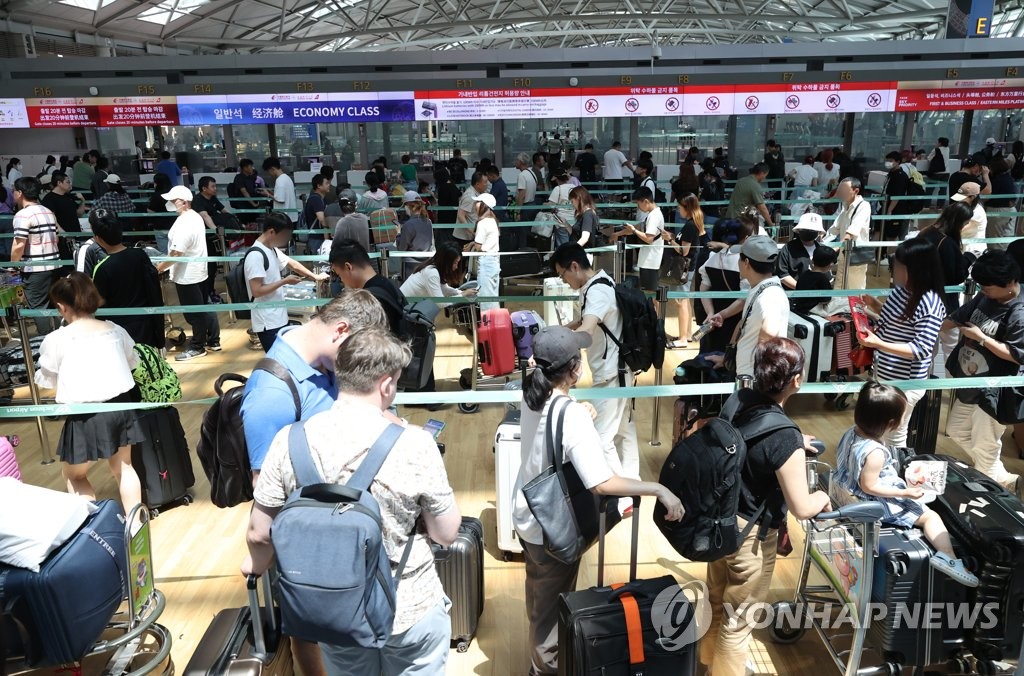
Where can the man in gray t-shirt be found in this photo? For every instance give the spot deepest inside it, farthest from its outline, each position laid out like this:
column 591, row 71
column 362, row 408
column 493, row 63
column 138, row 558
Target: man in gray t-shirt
column 347, row 223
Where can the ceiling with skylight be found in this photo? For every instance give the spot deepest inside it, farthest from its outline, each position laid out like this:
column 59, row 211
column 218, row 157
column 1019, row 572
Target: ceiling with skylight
column 249, row 26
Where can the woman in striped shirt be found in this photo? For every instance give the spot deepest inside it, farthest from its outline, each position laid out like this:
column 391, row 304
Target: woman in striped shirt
column 909, row 323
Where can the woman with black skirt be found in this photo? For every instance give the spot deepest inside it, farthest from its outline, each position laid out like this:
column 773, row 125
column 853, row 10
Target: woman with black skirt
column 89, row 360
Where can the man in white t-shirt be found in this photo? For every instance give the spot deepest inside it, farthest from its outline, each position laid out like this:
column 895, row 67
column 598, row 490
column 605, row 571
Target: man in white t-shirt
column 599, row 312
column 526, row 193
column 284, row 189
column 187, row 239
column 263, row 277
column 467, row 214
column 648, row 231
column 853, row 222
column 614, row 162
column 766, row 311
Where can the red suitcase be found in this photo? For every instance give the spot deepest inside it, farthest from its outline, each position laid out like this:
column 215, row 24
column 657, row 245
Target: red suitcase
column 497, row 347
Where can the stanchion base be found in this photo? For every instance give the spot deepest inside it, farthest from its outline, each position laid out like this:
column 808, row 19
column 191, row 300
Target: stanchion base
column 655, row 443
column 47, row 462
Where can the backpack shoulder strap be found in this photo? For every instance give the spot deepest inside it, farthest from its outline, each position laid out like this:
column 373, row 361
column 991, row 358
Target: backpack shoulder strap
column 277, row 369
column 375, row 457
column 597, row 280
column 306, row 473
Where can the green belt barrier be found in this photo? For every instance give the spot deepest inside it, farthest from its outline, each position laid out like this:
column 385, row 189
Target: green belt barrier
column 508, row 396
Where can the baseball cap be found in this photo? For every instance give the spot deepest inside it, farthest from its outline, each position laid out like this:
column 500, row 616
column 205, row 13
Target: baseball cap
column 411, row 196
column 178, row 192
column 809, row 221
column 968, row 162
column 487, row 198
column 990, row 141
column 761, row 249
column 347, row 195
column 969, row 189
column 112, row 178
column 556, row 346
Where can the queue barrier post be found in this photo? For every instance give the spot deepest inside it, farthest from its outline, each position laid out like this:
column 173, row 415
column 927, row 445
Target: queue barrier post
column 30, row 373
column 384, row 263
column 662, row 299
column 620, row 260
column 847, row 251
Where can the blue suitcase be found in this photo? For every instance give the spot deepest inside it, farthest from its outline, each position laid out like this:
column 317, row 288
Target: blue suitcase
column 59, row 613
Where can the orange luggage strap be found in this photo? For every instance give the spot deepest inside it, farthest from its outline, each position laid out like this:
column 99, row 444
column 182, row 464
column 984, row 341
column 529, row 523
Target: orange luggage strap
column 634, row 631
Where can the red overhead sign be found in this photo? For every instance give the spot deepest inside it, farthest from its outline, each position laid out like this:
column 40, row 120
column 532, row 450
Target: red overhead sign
column 137, row 111
column 66, row 112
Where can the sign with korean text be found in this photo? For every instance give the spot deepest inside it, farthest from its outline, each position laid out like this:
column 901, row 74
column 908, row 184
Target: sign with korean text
column 305, row 108
column 516, row 103
column 136, row 111
column 960, row 95
column 62, row 112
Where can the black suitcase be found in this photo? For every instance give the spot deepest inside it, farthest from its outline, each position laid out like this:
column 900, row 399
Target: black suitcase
column 923, row 430
column 235, row 645
column 163, row 461
column 522, row 263
column 988, row 521
column 12, row 362
column 904, row 581
column 55, row 616
column 461, row 569
column 594, row 632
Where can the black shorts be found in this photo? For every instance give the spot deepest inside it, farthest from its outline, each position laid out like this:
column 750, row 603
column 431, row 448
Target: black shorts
column 649, row 279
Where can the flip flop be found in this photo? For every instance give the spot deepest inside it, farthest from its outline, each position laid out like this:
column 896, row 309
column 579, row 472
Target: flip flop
column 677, row 345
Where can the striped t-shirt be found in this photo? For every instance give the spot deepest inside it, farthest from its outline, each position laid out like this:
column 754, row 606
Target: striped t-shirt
column 920, row 332
column 38, row 227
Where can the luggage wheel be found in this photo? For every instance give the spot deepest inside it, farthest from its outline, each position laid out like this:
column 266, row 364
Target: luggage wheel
column 781, row 633
column 462, row 645
column 469, row 408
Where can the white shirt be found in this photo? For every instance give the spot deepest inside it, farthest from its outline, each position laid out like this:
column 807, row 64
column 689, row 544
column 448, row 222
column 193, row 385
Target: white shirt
column 805, row 175
column 603, row 354
column 560, row 196
column 527, row 181
column 650, row 254
column 769, row 313
column 487, row 234
column 427, row 283
column 581, row 446
column 854, row 220
column 613, row 163
column 188, row 237
column 648, row 183
column 265, row 318
column 467, row 204
column 87, row 361
column 826, row 175
column 976, row 227
column 284, row 196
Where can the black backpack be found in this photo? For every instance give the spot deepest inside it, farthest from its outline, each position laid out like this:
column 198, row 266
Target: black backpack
column 917, row 190
column 417, row 327
column 222, row 449
column 705, row 471
column 236, row 283
column 642, row 343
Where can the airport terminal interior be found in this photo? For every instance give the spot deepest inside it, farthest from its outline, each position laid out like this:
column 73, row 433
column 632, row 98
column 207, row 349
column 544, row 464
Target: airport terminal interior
column 417, row 97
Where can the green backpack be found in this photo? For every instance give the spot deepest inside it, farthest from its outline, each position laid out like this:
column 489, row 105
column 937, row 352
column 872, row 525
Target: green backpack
column 156, row 379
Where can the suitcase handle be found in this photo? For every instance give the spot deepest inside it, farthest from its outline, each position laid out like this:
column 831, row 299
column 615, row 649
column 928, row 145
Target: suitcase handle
column 259, row 616
column 602, row 530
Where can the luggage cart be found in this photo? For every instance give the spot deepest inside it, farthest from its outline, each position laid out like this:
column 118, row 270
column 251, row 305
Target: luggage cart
column 174, row 333
column 466, row 318
column 134, row 644
column 839, row 556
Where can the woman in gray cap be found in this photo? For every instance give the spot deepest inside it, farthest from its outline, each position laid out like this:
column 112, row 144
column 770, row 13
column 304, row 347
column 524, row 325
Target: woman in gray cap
column 556, row 351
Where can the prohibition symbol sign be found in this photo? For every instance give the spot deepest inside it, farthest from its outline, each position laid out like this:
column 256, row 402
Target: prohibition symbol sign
column 833, row 101
column 671, row 103
column 591, row 105
column 874, row 100
column 713, row 103
column 752, row 103
column 632, row 105
column 792, row 101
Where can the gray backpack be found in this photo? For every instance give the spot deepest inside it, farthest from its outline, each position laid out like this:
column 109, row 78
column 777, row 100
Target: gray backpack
column 335, row 582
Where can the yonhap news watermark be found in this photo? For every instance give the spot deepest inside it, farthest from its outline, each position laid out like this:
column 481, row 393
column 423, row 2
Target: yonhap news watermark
column 682, row 615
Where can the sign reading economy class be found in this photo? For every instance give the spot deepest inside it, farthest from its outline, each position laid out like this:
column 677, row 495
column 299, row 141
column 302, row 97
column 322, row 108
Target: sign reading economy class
column 295, row 108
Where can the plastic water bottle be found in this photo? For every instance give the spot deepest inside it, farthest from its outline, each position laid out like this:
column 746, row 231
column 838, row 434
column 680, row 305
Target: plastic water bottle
column 702, row 330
